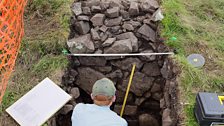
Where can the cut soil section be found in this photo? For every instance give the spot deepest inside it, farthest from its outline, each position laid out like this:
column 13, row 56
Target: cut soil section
column 121, row 26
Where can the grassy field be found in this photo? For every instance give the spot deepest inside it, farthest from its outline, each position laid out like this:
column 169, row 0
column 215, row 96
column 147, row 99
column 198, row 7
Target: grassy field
column 197, row 25
column 40, row 55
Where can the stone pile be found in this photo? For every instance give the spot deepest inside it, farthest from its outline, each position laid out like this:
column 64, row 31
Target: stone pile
column 122, row 26
column 117, row 26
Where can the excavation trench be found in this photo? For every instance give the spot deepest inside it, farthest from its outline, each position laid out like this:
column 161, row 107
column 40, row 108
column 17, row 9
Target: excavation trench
column 121, row 27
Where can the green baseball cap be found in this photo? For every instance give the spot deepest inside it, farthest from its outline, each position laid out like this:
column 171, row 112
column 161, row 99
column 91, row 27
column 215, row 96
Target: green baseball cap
column 103, row 86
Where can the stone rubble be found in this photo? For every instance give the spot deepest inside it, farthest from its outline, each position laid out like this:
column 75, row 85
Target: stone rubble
column 122, row 26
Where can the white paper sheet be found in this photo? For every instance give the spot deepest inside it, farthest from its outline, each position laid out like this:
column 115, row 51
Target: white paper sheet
column 39, row 104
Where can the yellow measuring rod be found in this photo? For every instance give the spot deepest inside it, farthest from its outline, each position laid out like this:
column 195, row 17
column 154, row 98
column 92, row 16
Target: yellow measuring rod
column 128, row 89
column 221, row 99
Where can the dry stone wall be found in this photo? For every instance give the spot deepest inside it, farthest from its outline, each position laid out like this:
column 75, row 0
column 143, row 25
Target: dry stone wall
column 121, row 26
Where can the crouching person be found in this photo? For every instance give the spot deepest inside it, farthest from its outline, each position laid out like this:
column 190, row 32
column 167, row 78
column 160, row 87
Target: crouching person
column 99, row 113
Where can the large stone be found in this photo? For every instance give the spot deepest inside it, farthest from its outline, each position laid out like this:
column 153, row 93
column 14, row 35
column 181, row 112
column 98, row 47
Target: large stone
column 98, row 19
column 73, row 72
column 126, row 4
column 146, row 7
column 75, row 92
column 139, row 101
column 162, row 103
column 148, row 57
column 113, row 22
column 92, row 61
column 103, row 36
column 151, row 69
column 52, row 122
column 140, row 18
column 77, row 8
column 113, row 12
column 147, row 32
column 127, row 63
column 95, row 9
column 167, row 70
column 133, row 10
column 135, row 24
column 82, row 27
column 147, row 120
column 124, row 14
column 150, row 23
column 140, row 83
column 157, row 16
column 97, row 44
column 129, row 109
column 91, row 3
column 121, row 46
column 116, row 3
column 104, row 69
column 131, row 36
column 132, row 121
column 157, row 96
column 156, row 88
column 147, row 94
column 86, row 10
column 87, row 77
column 73, row 20
column 66, row 109
column 109, row 34
column 115, row 29
column 128, row 27
column 153, row 4
column 120, row 97
column 166, row 119
column 167, row 99
column 103, row 28
column 98, row 51
column 95, row 35
column 82, row 44
column 115, row 74
column 109, row 42
column 83, row 18
column 104, row 5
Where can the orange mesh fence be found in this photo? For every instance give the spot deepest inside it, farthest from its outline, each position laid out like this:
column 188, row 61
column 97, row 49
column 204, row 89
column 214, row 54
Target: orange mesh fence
column 11, row 33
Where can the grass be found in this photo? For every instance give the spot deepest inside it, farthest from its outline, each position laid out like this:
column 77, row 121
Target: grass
column 40, row 55
column 198, row 27
column 49, row 64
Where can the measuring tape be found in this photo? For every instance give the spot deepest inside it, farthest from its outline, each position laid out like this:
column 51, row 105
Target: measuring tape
column 217, row 124
column 129, row 54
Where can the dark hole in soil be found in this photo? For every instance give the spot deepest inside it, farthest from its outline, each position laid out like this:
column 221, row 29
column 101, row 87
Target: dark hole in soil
column 151, row 97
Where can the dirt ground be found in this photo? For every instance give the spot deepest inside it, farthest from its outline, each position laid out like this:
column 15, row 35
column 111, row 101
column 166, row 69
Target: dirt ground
column 41, row 32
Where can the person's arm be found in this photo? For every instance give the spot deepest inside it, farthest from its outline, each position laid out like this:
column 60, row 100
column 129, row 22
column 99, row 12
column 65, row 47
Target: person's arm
column 126, row 124
column 74, row 117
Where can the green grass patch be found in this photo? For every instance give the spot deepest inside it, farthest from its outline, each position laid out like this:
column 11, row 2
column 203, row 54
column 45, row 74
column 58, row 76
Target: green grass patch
column 220, row 45
column 49, row 64
column 198, row 27
column 8, row 99
column 45, row 7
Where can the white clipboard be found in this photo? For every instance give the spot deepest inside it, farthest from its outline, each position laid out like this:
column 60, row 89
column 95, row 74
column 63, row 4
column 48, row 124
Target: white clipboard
column 39, row 104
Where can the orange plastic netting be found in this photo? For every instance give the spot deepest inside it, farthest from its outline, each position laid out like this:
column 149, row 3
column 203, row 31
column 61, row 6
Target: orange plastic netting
column 11, row 33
